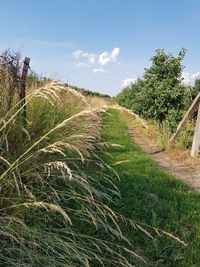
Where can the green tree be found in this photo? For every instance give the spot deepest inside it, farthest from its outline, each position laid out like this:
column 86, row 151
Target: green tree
column 162, row 88
column 160, row 91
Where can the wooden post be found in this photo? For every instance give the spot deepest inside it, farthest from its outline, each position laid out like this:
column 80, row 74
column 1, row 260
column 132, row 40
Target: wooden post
column 189, row 113
column 22, row 86
column 196, row 139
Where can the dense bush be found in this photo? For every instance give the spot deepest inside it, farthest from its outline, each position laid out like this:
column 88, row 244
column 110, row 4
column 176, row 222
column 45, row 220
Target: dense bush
column 160, row 94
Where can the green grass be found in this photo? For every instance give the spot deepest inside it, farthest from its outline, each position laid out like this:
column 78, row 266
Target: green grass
column 150, row 196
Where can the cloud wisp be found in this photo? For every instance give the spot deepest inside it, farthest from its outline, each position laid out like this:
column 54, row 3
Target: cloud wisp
column 189, row 79
column 81, row 65
column 99, row 70
column 105, row 57
column 99, row 60
column 80, row 54
column 128, row 82
column 76, row 54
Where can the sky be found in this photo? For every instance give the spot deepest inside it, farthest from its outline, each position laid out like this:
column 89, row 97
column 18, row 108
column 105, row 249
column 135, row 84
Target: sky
column 100, row 45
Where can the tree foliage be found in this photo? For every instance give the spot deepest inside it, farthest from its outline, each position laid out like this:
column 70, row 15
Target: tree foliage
column 160, row 94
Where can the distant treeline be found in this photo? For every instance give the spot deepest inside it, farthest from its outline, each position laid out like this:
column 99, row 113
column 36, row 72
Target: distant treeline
column 87, row 92
column 39, row 81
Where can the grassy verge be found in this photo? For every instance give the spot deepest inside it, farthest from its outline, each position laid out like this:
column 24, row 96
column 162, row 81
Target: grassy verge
column 50, row 208
column 151, row 196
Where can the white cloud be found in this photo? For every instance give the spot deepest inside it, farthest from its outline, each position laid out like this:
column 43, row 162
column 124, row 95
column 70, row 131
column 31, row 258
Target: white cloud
column 128, row 82
column 84, row 54
column 189, row 78
column 88, row 56
column 81, row 65
column 99, row 70
column 77, row 53
column 105, row 57
column 101, row 59
column 195, row 75
column 92, row 58
column 185, row 77
column 115, row 52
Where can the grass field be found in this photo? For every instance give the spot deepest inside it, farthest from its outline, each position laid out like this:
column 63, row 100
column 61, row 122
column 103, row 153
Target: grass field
column 151, row 196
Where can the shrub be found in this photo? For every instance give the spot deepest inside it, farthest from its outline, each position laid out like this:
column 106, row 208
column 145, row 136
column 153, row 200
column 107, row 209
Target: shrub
column 9, row 79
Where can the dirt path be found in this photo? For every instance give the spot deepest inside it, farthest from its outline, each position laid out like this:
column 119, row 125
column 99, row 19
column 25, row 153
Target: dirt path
column 187, row 169
column 181, row 170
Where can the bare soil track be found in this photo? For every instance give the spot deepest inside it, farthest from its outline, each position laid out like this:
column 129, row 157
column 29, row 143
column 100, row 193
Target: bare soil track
column 187, row 170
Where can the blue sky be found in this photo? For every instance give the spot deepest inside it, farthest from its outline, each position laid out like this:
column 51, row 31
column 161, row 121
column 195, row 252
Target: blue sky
column 99, row 44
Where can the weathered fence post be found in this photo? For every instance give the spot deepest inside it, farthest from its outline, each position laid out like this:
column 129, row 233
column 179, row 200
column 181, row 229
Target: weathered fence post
column 196, row 139
column 22, row 86
column 190, row 111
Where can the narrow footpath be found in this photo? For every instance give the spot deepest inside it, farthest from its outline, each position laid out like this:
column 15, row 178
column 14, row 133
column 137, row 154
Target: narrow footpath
column 153, row 196
column 184, row 168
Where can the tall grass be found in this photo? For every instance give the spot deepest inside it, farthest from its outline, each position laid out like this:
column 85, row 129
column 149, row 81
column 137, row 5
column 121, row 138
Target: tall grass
column 51, row 209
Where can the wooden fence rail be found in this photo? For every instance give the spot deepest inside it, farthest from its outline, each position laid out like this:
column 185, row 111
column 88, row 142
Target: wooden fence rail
column 196, row 140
